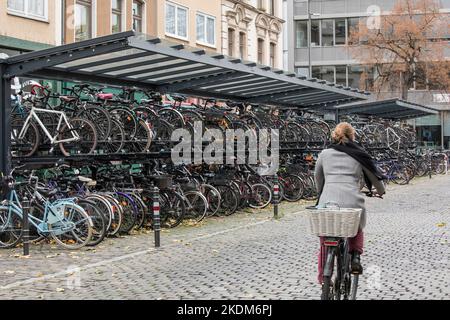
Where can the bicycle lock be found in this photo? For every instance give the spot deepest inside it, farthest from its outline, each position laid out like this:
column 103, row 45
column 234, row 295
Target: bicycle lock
column 156, row 216
column 25, row 227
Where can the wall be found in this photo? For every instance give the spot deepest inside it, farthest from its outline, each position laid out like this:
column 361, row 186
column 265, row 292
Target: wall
column 43, row 32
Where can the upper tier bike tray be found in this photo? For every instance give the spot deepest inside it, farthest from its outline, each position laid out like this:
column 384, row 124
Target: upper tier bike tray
column 133, row 59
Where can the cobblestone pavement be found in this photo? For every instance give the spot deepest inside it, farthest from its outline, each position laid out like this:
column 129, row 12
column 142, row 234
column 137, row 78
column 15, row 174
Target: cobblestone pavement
column 250, row 256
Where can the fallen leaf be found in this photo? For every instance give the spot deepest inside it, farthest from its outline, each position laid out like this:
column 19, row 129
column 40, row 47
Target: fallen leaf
column 59, row 290
column 40, row 274
column 9, row 272
column 442, row 224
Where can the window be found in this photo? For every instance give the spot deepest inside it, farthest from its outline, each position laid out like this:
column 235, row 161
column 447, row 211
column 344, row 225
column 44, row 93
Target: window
column 327, row 32
column 138, row 12
column 354, row 76
column 324, row 73
column 242, row 45
column 315, row 33
column 302, row 71
column 206, row 29
column 231, row 42
column 272, row 7
column 36, row 9
column 273, row 48
column 339, row 31
column 176, row 20
column 352, row 26
column 83, row 20
column 260, row 51
column 116, row 16
column 301, row 34
column 341, row 75
column 261, row 4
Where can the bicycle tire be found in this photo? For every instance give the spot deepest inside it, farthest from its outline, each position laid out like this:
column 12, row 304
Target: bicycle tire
column 87, row 133
column 31, row 138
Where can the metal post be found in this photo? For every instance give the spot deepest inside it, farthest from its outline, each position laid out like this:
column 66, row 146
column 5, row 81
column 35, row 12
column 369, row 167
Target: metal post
column 429, row 163
column 25, row 226
column 156, row 217
column 308, row 38
column 5, row 125
column 276, row 195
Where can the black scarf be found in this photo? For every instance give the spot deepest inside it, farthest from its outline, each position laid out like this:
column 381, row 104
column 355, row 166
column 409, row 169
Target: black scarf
column 359, row 154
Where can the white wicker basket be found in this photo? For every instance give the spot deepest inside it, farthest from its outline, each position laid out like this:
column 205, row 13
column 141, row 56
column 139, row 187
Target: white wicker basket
column 334, row 222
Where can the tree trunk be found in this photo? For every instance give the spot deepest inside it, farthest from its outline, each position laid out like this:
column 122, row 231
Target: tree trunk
column 404, row 86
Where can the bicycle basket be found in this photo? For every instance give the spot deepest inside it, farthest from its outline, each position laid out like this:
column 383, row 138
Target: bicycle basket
column 334, row 222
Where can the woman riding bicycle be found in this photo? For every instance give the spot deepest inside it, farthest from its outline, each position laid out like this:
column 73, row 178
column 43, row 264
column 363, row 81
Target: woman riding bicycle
column 338, row 174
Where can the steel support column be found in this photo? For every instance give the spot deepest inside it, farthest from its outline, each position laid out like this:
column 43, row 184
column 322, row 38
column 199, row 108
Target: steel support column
column 5, row 125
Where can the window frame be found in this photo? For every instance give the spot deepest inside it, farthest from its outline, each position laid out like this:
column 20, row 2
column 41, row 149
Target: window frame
column 345, row 32
column 296, row 23
column 272, row 54
column 26, row 14
column 231, row 41
column 137, row 17
column 205, row 19
column 260, row 52
column 243, row 54
column 176, row 6
column 90, row 4
column 120, row 13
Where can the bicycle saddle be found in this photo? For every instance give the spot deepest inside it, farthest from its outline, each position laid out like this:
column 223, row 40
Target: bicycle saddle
column 178, row 98
column 67, row 98
column 105, row 96
column 47, row 192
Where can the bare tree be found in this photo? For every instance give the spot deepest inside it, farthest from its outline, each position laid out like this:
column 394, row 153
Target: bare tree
column 404, row 47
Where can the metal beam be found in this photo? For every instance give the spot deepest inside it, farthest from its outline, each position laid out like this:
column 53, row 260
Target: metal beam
column 194, row 84
column 100, row 62
column 5, row 123
column 166, row 79
column 159, row 68
column 21, row 68
column 247, row 83
column 53, row 74
column 268, row 89
column 161, row 75
column 127, row 66
column 257, row 87
column 279, row 96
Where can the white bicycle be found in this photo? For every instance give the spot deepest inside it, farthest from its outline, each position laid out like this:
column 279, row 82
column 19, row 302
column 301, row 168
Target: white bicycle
column 74, row 136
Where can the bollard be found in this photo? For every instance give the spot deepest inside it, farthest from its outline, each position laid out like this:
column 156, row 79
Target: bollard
column 429, row 166
column 25, row 227
column 276, row 195
column 156, row 217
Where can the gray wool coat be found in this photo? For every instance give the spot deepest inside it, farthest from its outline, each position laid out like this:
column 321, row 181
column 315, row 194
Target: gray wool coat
column 340, row 177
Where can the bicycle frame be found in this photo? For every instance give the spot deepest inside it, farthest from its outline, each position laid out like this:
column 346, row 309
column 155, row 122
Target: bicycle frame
column 62, row 120
column 50, row 216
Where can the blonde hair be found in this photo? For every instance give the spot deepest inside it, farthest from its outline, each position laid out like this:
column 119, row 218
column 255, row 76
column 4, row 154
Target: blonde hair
column 343, row 133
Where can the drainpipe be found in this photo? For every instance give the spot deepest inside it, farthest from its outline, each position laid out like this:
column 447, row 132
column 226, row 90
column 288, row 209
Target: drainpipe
column 441, row 114
column 63, row 24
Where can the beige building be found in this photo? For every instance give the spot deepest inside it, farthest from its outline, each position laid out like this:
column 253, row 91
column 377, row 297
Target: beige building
column 252, row 30
column 28, row 25
column 191, row 22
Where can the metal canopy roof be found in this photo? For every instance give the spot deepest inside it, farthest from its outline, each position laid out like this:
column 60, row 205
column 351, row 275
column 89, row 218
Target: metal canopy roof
column 131, row 59
column 389, row 109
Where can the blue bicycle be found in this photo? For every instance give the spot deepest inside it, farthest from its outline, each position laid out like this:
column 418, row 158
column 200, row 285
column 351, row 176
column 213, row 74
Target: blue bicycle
column 63, row 220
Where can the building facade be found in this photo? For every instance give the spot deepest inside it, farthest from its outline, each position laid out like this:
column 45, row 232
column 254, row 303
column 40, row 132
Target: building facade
column 28, row 25
column 252, row 31
column 325, row 54
column 193, row 23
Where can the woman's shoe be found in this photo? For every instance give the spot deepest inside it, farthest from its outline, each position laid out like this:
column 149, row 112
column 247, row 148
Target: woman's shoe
column 356, row 267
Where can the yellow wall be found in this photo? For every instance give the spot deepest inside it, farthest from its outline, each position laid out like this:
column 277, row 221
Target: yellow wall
column 209, row 7
column 28, row 29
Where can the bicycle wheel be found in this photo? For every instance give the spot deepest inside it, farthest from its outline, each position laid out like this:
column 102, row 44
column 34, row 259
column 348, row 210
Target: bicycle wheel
column 197, row 205
column 99, row 222
column 213, row 197
column 10, row 228
column 172, row 209
column 99, row 117
column 260, row 196
column 115, row 142
column 229, row 203
column 293, row 187
column 29, row 144
column 127, row 119
column 327, row 286
column 87, row 142
column 74, row 231
column 129, row 213
column 142, row 139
